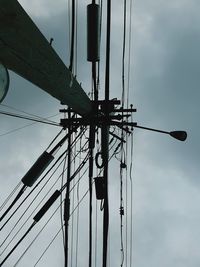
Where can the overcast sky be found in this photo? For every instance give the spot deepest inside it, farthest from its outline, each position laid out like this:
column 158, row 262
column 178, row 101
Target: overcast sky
column 164, row 87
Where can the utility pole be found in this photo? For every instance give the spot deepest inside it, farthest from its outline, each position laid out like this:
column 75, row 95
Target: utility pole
column 105, row 138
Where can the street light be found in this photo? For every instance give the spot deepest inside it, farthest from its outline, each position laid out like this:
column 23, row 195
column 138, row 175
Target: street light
column 179, row 135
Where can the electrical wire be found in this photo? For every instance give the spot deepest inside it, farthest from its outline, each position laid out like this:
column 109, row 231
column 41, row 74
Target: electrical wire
column 36, row 220
column 75, row 208
column 48, row 246
column 37, row 236
column 45, row 176
column 10, row 195
column 23, row 188
column 61, row 200
column 78, row 213
column 37, row 207
column 30, row 214
column 28, row 118
column 131, row 215
column 32, row 115
column 36, row 185
column 22, row 127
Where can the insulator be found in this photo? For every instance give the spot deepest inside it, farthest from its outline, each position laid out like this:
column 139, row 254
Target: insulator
column 37, row 169
column 93, row 34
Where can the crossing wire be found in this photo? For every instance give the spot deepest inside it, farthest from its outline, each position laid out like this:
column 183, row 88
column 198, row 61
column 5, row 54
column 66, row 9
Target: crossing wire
column 76, row 207
column 34, row 200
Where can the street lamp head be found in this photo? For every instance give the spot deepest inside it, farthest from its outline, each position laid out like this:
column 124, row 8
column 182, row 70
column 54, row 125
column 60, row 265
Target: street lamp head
column 180, row 135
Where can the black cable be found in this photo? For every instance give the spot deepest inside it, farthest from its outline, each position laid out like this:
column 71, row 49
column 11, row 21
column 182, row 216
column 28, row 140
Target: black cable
column 28, row 118
column 123, row 55
column 10, row 195
column 131, row 180
column 32, row 115
column 13, row 202
column 43, row 210
column 72, row 36
column 61, row 200
column 17, row 244
column 22, row 127
column 34, row 187
column 31, row 212
column 77, row 224
column 36, row 207
column 55, row 138
column 76, row 207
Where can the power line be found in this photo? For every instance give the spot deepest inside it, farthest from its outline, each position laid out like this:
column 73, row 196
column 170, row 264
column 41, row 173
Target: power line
column 27, row 113
column 28, row 118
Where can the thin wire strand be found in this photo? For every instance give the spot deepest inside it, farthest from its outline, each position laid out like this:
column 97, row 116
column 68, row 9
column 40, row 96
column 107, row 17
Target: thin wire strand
column 58, row 206
column 39, row 183
column 22, row 127
column 37, row 236
column 76, row 207
column 61, row 200
column 10, row 195
column 54, row 238
column 10, row 114
column 32, row 115
column 34, row 199
column 131, row 222
column 49, row 221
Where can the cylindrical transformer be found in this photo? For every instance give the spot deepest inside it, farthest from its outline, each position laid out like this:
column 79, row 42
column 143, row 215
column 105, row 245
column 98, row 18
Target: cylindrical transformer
column 93, row 34
column 37, row 169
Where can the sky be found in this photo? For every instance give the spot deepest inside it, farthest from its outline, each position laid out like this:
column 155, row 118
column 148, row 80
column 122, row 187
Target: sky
column 164, row 81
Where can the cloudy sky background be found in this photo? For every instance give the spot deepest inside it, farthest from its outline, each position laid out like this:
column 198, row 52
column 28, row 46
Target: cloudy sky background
column 165, row 79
